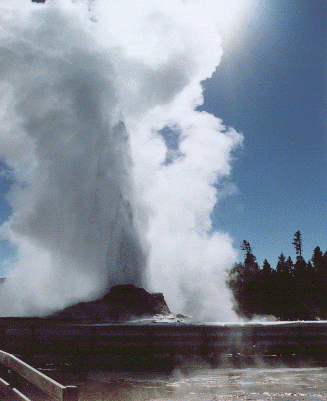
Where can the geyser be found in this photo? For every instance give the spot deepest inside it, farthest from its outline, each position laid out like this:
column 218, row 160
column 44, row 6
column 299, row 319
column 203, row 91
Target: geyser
column 73, row 197
column 85, row 100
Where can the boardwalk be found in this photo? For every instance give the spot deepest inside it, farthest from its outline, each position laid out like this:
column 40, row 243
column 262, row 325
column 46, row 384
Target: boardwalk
column 14, row 370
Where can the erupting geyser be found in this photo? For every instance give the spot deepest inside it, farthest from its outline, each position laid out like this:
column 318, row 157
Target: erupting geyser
column 114, row 169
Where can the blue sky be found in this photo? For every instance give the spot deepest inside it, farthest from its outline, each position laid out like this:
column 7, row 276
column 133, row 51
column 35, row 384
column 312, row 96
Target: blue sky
column 5, row 183
column 272, row 88
column 7, row 250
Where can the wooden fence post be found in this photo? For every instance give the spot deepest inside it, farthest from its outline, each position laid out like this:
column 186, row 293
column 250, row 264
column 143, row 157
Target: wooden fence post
column 70, row 393
column 3, row 336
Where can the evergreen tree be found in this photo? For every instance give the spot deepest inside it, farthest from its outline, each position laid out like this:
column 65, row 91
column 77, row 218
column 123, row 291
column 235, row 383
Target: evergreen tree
column 320, row 287
column 292, row 291
column 317, row 259
column 290, row 265
column 246, row 247
column 284, row 288
column 236, row 282
column 281, row 266
column 267, row 289
column 266, row 269
column 303, row 283
column 311, row 292
column 297, row 242
column 292, row 301
column 244, row 282
column 324, row 258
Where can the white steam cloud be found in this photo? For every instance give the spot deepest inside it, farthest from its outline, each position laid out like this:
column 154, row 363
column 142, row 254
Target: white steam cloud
column 114, row 167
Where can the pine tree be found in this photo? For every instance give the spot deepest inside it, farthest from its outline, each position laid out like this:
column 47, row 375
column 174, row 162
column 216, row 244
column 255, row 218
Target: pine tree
column 292, row 291
column 281, row 265
column 284, row 288
column 320, row 286
column 317, row 258
column 244, row 282
column 236, row 282
column 297, row 242
column 250, row 261
column 290, row 265
column 266, row 268
column 267, row 289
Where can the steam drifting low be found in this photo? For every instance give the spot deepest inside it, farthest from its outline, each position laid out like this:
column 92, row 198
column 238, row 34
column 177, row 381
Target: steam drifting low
column 114, row 168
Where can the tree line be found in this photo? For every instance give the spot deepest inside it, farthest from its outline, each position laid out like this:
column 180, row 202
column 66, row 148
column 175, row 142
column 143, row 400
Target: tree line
column 291, row 291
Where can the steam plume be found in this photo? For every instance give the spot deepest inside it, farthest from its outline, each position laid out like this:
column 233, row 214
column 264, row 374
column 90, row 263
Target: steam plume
column 114, row 167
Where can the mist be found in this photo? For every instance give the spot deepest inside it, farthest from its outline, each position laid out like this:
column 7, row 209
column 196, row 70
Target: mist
column 115, row 172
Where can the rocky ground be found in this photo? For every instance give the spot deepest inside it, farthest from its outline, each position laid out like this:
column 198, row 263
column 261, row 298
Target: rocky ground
column 122, row 303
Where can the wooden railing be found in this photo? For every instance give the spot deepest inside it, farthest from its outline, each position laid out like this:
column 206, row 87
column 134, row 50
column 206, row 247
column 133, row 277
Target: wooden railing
column 49, row 386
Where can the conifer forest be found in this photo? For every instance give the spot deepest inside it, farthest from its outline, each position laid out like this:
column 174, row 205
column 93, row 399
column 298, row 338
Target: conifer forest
column 291, row 291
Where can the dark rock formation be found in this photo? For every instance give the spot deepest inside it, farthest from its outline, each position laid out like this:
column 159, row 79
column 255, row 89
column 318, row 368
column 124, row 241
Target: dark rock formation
column 122, row 303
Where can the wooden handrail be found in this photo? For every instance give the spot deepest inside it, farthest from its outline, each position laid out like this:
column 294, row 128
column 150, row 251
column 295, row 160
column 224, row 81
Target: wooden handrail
column 38, row 379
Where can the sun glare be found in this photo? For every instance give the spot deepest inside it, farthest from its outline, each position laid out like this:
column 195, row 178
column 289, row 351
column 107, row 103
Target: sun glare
column 235, row 16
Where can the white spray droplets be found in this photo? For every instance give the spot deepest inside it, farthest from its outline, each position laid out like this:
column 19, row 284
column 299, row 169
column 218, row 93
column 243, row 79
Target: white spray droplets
column 95, row 204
